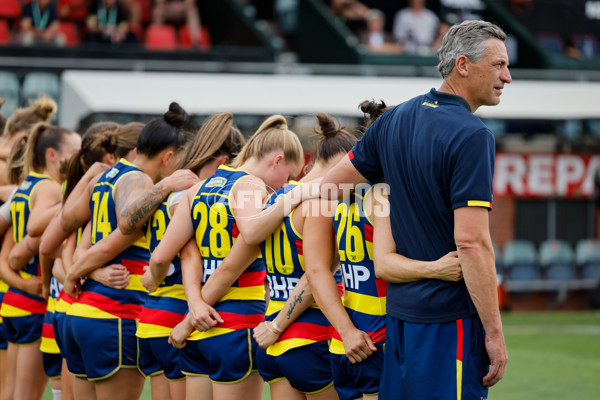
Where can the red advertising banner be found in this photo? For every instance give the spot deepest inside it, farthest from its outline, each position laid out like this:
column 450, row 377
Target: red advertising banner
column 545, row 175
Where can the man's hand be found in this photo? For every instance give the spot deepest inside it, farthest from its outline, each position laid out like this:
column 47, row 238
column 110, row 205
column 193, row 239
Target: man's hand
column 496, row 349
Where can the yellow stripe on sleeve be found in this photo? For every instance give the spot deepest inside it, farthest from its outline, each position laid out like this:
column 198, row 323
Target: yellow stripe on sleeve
column 365, row 304
column 479, row 203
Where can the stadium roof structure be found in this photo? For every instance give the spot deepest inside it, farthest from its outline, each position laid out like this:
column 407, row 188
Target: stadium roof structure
column 88, row 92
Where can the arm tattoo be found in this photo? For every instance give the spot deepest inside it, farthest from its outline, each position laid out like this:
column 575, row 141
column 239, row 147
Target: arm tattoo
column 137, row 211
column 297, row 300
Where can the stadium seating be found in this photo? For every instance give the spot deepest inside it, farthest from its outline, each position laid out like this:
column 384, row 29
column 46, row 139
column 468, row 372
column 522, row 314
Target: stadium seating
column 557, row 260
column 69, row 29
column 551, row 42
column 520, row 260
column 4, row 32
column 186, row 42
column 72, row 10
column 588, row 258
column 587, row 45
column 9, row 90
column 36, row 84
column 161, row 37
column 10, row 9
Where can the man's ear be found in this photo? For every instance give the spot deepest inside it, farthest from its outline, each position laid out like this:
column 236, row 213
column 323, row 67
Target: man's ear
column 462, row 65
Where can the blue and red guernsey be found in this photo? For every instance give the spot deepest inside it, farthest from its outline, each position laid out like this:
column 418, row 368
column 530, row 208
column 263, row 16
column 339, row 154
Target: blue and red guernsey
column 283, row 255
column 17, row 303
column 3, row 289
column 243, row 305
column 165, row 307
column 97, row 300
column 365, row 295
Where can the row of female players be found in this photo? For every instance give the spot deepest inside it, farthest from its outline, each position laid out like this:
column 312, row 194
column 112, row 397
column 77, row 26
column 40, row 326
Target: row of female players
column 204, row 223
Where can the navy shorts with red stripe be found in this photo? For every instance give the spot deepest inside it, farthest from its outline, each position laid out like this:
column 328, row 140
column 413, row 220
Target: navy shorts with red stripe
column 445, row 361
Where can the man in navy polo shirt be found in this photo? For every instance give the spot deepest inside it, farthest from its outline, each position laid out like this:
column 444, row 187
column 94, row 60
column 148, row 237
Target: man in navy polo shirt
column 438, row 159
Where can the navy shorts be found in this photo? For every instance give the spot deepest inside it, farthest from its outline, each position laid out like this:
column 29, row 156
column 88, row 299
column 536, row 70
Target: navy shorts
column 307, row 368
column 23, row 330
column 352, row 381
column 445, row 361
column 227, row 358
column 52, row 365
column 158, row 356
column 57, row 323
column 3, row 341
column 97, row 348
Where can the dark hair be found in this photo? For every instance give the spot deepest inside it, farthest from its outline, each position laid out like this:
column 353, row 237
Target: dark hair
column 162, row 133
column 15, row 163
column 333, row 141
column 43, row 136
column 216, row 136
column 372, row 110
column 98, row 140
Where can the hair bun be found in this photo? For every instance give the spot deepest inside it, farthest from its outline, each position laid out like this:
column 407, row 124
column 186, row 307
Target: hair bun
column 176, row 116
column 373, row 108
column 44, row 107
column 110, row 142
column 2, row 101
column 327, row 127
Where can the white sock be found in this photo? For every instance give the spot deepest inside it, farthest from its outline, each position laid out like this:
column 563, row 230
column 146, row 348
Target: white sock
column 56, row 394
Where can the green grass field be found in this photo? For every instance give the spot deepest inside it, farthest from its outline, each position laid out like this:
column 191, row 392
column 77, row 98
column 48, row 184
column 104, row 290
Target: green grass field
column 551, row 356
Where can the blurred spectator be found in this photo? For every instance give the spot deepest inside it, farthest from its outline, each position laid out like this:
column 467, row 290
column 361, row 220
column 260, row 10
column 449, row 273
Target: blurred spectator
column 107, row 22
column 375, row 37
column 416, row 27
column 39, row 24
column 352, row 11
column 178, row 12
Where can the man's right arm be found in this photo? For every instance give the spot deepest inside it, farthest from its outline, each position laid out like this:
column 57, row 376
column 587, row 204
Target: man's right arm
column 476, row 257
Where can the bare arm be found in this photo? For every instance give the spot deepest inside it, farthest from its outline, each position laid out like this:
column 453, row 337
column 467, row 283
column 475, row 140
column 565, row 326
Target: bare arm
column 46, row 202
column 32, row 286
column 22, row 252
column 319, row 246
column 67, row 252
column 140, row 199
column 97, row 256
column 256, row 223
column 476, row 256
column 6, row 191
column 341, row 180
column 85, row 242
column 53, row 236
column 396, row 268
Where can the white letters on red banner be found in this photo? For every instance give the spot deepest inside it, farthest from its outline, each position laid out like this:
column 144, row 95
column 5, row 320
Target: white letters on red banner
column 545, row 175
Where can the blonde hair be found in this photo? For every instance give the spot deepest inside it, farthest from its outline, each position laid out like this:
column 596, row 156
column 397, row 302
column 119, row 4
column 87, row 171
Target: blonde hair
column 23, row 119
column 272, row 135
column 42, row 137
column 15, row 163
column 217, row 136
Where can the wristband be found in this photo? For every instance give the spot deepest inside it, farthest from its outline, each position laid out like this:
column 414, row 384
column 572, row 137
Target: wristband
column 273, row 327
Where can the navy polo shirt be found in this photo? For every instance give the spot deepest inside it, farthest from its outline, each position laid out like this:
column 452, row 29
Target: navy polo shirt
column 436, row 156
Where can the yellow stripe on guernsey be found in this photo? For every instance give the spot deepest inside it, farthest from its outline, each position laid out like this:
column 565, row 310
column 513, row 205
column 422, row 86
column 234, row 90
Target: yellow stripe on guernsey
column 48, row 345
column 365, row 303
column 3, row 289
column 479, row 203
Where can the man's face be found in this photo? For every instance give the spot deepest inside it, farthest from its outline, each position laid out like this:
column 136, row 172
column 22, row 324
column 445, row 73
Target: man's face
column 488, row 76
